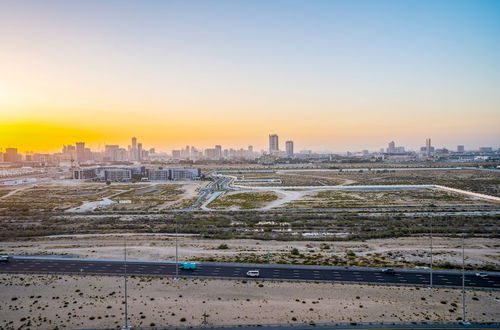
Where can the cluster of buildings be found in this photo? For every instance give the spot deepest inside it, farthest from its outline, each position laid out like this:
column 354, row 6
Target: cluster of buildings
column 112, row 153
column 215, row 153
column 274, row 147
column 123, row 174
column 218, row 153
column 79, row 154
column 428, row 151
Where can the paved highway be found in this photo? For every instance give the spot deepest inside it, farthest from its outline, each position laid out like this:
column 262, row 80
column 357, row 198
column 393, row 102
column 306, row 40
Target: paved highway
column 274, row 272
column 369, row 326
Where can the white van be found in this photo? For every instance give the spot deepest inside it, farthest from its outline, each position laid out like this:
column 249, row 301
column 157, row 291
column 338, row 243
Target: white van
column 253, row 273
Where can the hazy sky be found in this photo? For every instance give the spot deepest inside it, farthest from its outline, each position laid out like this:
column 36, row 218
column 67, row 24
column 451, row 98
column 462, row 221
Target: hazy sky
column 331, row 75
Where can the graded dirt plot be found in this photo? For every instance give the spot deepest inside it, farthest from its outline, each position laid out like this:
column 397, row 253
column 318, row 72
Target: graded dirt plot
column 289, row 178
column 243, row 200
column 157, row 196
column 46, row 302
column 481, row 181
column 4, row 191
column 75, row 195
column 56, row 196
column 346, row 199
column 476, row 180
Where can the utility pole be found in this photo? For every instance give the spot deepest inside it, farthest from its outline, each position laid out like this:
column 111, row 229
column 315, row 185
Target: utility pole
column 464, row 310
column 176, row 252
column 125, row 273
column 430, row 279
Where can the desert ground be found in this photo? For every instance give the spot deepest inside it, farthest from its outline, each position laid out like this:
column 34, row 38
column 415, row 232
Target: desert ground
column 47, row 302
column 325, row 198
column 401, row 252
column 77, row 196
column 477, row 180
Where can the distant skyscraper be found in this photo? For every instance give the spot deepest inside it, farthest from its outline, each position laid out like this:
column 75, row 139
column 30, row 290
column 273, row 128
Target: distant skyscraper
column 111, row 152
column 218, row 151
column 133, row 150
column 428, row 146
column 11, row 155
column 80, row 152
column 289, row 148
column 391, row 148
column 460, row 148
column 139, row 151
column 273, row 144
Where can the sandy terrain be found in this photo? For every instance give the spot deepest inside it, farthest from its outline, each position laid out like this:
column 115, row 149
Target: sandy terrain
column 69, row 302
column 402, row 251
column 77, row 196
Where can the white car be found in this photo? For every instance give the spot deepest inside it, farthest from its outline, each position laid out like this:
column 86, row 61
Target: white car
column 483, row 275
column 253, row 273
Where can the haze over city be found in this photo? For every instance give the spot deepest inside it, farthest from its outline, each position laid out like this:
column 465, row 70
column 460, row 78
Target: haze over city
column 332, row 75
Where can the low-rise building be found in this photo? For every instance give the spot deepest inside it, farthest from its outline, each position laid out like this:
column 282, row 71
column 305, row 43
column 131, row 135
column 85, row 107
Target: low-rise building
column 118, row 174
column 185, row 173
column 159, row 175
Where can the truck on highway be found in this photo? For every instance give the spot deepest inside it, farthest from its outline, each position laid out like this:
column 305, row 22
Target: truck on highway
column 187, row 266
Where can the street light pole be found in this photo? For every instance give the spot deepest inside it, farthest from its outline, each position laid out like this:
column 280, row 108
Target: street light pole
column 176, row 252
column 464, row 310
column 125, row 273
column 430, row 274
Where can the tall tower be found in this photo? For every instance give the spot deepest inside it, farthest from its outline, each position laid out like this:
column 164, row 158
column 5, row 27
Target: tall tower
column 80, row 152
column 218, row 151
column 289, row 148
column 139, row 151
column 133, row 150
column 392, row 147
column 428, row 146
column 273, row 144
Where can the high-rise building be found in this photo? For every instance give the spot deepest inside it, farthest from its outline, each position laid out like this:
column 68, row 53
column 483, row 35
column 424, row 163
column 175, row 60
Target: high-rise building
column 139, row 151
column 133, row 149
column 11, row 155
column 273, row 144
column 176, row 154
column 111, row 152
column 428, row 146
column 289, row 148
column 460, row 148
column 218, row 151
column 80, row 152
column 391, row 148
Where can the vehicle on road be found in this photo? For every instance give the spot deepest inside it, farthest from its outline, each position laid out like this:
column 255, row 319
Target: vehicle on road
column 253, row 273
column 388, row 271
column 4, row 258
column 482, row 275
column 187, row 266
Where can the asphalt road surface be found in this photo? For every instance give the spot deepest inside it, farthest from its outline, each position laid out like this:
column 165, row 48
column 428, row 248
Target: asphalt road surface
column 275, row 272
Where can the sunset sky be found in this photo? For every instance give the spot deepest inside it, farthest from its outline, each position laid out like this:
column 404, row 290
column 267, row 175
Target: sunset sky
column 331, row 75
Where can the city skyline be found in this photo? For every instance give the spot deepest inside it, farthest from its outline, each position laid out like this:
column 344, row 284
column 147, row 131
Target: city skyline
column 134, row 149
column 334, row 75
